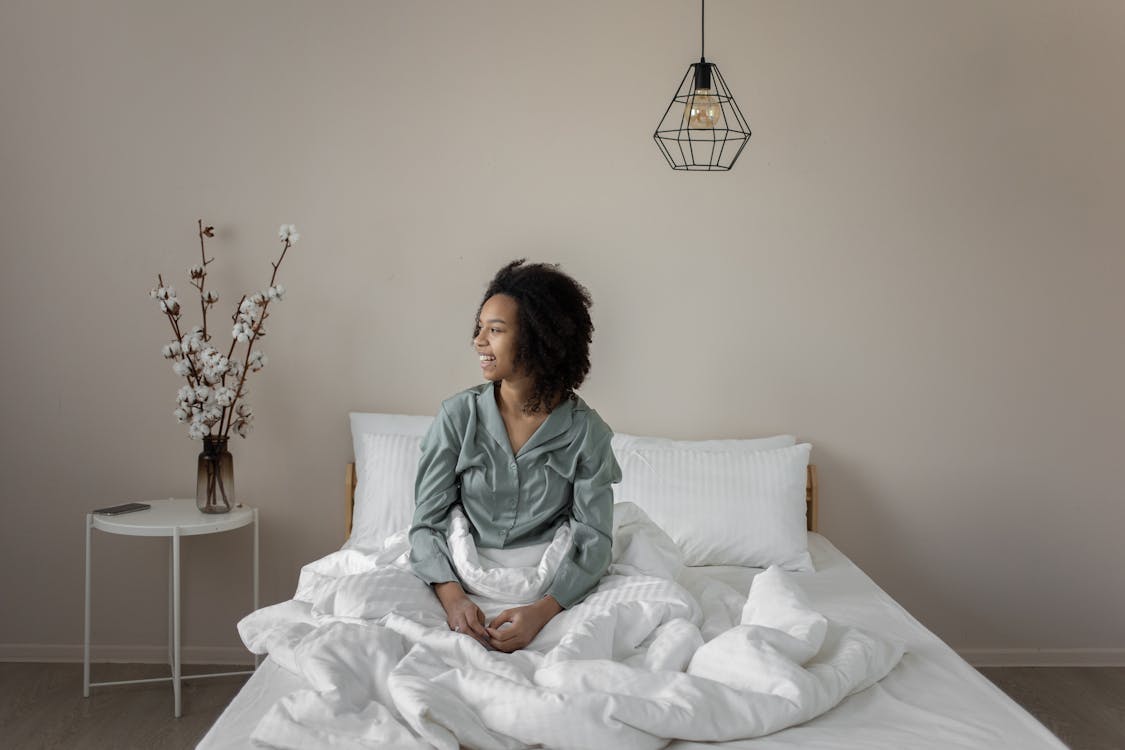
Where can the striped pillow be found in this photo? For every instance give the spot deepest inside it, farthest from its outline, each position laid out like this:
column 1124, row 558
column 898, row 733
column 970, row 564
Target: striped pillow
column 386, row 467
column 724, row 507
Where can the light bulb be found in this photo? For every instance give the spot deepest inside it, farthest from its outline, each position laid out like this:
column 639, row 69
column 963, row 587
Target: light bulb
column 703, row 110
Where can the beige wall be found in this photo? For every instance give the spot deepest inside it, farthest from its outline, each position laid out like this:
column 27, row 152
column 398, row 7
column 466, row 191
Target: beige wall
column 915, row 265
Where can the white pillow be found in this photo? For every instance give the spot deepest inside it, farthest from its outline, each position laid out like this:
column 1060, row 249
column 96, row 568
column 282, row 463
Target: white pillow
column 724, row 507
column 385, row 424
column 623, row 442
column 387, row 448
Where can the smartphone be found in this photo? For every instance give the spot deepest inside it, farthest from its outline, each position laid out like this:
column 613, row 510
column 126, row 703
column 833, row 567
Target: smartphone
column 117, row 510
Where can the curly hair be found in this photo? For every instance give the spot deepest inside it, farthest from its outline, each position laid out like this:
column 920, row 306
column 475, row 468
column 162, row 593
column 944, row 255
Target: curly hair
column 554, row 329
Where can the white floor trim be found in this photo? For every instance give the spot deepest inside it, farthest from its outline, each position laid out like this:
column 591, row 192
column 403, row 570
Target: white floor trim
column 1035, row 657
column 128, row 654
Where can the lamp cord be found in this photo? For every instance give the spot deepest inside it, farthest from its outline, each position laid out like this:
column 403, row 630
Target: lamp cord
column 702, row 7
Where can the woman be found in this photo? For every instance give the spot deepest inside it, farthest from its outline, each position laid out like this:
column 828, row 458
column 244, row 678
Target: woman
column 521, row 454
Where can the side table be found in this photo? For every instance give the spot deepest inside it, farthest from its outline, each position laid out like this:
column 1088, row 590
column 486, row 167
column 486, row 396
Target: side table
column 173, row 518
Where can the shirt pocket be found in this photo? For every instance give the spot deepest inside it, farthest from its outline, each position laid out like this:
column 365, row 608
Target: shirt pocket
column 562, row 464
column 556, row 494
column 473, row 471
column 476, row 482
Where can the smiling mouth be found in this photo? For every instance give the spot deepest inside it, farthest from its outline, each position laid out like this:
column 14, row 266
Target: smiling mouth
column 486, row 359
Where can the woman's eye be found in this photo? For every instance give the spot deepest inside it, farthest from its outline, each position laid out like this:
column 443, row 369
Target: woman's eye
column 495, row 330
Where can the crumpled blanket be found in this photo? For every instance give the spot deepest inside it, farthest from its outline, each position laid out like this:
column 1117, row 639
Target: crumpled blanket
column 656, row 652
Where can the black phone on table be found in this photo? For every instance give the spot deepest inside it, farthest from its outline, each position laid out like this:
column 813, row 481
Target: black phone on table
column 116, row 510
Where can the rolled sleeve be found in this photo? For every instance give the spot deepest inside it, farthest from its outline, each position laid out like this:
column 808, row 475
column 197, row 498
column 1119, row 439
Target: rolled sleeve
column 435, row 492
column 592, row 522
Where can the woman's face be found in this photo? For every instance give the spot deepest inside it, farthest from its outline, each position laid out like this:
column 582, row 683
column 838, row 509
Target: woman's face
column 495, row 342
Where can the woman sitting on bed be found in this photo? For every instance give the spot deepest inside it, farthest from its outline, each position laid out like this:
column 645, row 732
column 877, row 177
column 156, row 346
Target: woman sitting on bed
column 521, row 454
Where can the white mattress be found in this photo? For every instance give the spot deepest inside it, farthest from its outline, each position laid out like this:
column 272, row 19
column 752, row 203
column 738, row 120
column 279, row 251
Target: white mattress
column 932, row 699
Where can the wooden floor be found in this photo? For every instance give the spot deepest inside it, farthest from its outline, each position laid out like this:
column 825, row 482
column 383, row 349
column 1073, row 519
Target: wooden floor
column 1083, row 706
column 42, row 705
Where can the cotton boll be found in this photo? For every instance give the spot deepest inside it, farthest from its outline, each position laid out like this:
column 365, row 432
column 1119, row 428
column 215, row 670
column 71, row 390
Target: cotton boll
column 214, row 364
column 258, row 360
column 242, row 427
column 251, row 309
column 288, row 233
column 193, row 340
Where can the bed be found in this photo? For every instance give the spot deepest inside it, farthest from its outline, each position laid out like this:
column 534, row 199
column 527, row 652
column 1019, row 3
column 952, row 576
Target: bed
column 925, row 696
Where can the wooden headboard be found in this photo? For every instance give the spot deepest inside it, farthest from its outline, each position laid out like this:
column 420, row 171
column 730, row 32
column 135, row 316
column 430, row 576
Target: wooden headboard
column 812, row 499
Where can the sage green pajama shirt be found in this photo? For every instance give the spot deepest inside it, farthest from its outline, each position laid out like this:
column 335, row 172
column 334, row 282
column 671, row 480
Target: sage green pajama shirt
column 563, row 473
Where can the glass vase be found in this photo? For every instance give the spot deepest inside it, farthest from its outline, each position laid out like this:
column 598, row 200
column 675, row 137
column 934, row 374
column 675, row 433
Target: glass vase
column 214, row 484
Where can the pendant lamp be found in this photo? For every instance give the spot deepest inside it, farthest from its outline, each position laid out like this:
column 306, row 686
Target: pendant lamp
column 703, row 129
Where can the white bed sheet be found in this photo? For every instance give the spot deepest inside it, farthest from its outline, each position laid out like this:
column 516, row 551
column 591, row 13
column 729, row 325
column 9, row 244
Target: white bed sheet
column 932, row 699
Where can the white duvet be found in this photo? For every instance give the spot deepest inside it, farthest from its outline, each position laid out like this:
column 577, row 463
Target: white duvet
column 656, row 652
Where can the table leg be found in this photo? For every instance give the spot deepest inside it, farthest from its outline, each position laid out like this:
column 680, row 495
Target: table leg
column 171, row 635
column 176, row 686
column 257, row 657
column 86, row 639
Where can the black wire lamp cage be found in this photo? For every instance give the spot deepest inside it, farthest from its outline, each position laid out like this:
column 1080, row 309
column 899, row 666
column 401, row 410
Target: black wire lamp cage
column 703, row 129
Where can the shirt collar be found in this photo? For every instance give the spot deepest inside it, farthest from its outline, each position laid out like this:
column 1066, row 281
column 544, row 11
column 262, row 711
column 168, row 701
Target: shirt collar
column 557, row 423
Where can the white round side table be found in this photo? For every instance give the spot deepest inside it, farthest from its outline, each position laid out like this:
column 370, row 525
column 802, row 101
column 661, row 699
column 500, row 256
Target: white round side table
column 173, row 518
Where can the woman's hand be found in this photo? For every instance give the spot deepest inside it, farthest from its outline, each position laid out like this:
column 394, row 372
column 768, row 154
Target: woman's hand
column 462, row 615
column 523, row 624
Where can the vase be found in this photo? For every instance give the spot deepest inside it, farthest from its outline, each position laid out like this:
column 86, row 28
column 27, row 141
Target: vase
column 214, row 484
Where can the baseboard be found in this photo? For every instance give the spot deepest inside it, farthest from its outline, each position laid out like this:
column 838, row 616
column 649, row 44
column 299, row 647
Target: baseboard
column 42, row 652
column 1036, row 657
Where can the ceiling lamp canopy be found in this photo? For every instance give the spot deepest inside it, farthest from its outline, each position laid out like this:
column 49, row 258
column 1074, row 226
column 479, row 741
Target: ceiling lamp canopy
column 703, row 129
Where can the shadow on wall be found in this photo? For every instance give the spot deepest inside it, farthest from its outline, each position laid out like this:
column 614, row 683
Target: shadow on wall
column 852, row 507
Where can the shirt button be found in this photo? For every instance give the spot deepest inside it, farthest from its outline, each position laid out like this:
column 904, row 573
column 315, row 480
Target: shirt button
column 512, row 466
